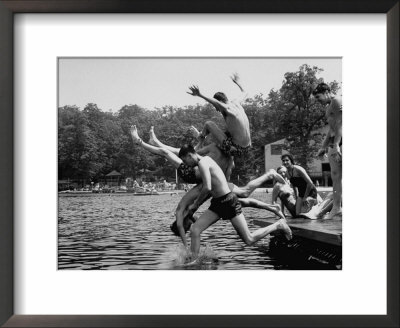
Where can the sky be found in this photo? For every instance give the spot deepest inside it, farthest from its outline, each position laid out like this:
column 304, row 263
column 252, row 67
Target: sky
column 152, row 83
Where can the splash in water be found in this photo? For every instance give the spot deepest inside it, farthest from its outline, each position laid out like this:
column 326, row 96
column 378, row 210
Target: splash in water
column 178, row 257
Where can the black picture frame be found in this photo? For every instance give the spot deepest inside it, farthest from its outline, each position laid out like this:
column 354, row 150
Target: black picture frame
column 10, row 7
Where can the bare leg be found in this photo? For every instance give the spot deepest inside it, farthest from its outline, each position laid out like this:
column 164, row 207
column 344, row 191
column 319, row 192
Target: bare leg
column 275, row 195
column 299, row 205
column 326, row 205
column 153, row 140
column 250, row 202
column 240, row 225
column 318, row 211
column 203, row 222
column 245, row 191
column 206, row 150
column 171, row 157
column 336, row 174
column 213, row 129
column 229, row 169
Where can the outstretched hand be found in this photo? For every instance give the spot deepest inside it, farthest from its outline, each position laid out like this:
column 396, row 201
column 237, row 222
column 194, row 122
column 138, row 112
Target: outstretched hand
column 235, row 78
column 195, row 90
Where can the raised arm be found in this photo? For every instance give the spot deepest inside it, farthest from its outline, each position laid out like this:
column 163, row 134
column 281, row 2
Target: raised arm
column 195, row 91
column 236, row 80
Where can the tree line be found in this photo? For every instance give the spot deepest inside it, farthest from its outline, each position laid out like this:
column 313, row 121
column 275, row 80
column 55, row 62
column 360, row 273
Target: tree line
column 93, row 142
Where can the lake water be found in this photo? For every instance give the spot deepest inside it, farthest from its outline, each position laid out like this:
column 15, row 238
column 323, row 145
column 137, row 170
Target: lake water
column 126, row 232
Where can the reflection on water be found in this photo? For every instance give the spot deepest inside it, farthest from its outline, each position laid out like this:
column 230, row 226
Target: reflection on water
column 101, row 231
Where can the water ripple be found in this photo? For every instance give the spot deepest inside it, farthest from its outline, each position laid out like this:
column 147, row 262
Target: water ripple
column 124, row 232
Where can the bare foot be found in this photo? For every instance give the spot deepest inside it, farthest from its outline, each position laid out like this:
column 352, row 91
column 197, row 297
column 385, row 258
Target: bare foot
column 308, row 216
column 285, row 229
column 153, row 139
column 135, row 136
column 312, row 214
column 332, row 214
column 194, row 131
column 278, row 211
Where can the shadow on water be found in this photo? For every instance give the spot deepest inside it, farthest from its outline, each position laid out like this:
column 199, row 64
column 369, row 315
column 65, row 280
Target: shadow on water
column 126, row 232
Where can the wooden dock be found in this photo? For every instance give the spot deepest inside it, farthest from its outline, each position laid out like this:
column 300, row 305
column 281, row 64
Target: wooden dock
column 324, row 231
column 314, row 242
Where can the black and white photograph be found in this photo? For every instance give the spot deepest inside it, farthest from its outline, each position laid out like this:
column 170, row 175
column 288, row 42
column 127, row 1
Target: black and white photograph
column 197, row 163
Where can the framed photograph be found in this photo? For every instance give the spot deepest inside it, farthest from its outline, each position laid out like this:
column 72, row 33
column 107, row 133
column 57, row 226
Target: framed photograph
column 92, row 95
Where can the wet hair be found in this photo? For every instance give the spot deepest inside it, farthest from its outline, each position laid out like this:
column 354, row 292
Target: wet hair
column 288, row 156
column 220, row 96
column 321, row 88
column 186, row 149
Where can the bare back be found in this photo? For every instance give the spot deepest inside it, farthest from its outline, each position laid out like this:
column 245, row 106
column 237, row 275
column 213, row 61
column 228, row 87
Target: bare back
column 217, row 155
column 237, row 123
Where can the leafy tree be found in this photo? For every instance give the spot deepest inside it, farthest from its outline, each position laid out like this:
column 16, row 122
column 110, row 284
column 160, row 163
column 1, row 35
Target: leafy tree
column 297, row 114
column 92, row 142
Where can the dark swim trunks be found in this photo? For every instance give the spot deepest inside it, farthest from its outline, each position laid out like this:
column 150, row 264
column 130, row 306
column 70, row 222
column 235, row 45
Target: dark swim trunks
column 230, row 148
column 227, row 206
column 187, row 173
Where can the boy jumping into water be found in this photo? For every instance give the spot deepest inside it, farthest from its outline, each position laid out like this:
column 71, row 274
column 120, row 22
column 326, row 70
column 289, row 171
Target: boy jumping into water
column 236, row 141
column 184, row 216
column 224, row 203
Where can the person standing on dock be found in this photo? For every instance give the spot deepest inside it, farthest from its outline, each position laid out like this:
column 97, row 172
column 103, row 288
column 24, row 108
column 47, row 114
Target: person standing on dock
column 224, row 203
column 332, row 145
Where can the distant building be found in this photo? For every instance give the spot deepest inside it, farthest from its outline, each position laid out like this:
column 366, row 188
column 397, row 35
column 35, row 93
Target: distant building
column 318, row 170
